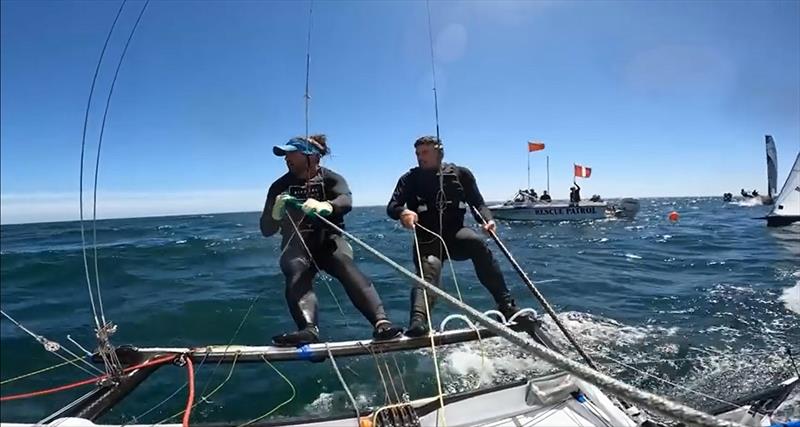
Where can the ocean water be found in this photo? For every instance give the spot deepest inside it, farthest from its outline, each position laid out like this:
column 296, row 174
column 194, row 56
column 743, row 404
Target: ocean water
column 709, row 303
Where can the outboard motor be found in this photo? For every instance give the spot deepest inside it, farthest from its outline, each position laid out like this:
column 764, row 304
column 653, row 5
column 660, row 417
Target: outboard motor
column 627, row 208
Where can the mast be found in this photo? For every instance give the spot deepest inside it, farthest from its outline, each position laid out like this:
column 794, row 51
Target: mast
column 529, row 170
column 548, row 174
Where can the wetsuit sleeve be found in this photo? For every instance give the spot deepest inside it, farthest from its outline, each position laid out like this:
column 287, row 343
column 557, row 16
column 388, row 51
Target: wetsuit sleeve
column 397, row 204
column 342, row 200
column 268, row 224
column 473, row 195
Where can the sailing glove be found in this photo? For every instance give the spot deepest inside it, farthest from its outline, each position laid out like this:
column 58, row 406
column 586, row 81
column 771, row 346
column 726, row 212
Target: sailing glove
column 279, row 209
column 316, row 207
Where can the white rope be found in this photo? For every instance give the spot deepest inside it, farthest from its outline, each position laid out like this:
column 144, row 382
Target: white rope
column 430, row 334
column 391, row 380
column 648, row 400
column 400, row 375
column 387, row 396
column 84, row 350
column 341, row 380
column 57, row 414
column 54, row 347
column 447, row 252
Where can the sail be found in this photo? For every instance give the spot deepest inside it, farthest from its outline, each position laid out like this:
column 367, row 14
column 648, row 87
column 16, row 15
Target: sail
column 772, row 168
column 787, row 205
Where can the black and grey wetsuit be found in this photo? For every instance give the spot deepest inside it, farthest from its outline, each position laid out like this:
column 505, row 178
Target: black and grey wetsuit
column 329, row 250
column 575, row 195
column 418, row 190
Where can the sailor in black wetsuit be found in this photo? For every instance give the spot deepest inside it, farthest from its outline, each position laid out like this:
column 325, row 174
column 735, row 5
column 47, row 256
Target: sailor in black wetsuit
column 318, row 191
column 575, row 193
column 545, row 197
column 417, row 200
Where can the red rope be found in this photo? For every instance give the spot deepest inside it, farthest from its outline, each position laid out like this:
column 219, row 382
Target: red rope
column 156, row 361
column 188, row 412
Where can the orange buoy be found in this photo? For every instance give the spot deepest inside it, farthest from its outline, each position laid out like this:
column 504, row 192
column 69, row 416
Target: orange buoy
column 673, row 216
column 365, row 422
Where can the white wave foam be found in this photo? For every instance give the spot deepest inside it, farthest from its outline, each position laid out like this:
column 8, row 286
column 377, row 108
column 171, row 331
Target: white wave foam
column 657, row 349
column 791, row 298
column 327, row 402
column 492, row 362
column 755, row 201
column 322, row 403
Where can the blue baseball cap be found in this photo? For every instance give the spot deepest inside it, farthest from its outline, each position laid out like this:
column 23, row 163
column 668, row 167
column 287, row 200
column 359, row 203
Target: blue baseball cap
column 296, row 144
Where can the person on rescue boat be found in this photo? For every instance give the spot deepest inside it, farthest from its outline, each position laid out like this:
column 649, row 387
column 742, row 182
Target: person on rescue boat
column 545, row 197
column 420, row 202
column 293, row 203
column 575, row 193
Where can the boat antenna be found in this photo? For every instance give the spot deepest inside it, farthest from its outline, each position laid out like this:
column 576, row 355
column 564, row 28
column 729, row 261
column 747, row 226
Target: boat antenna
column 433, row 70
column 441, row 197
column 307, row 96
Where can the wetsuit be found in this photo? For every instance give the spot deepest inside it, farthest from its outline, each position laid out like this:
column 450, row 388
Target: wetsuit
column 329, row 251
column 575, row 195
column 418, row 190
column 545, row 198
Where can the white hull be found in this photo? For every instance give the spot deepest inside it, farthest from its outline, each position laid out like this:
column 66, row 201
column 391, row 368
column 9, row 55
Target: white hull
column 527, row 211
column 787, row 204
column 545, row 401
column 556, row 400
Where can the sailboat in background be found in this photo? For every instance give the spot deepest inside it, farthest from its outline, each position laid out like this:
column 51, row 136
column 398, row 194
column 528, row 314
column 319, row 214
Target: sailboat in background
column 787, row 204
column 754, row 199
column 772, row 172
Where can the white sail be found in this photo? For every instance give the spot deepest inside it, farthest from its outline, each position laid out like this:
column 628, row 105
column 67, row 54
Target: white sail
column 787, row 204
column 772, row 167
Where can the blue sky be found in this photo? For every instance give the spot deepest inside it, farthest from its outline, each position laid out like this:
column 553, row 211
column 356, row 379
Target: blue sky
column 659, row 98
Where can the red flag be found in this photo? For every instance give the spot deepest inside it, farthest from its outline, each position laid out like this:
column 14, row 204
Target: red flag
column 535, row 146
column 582, row 171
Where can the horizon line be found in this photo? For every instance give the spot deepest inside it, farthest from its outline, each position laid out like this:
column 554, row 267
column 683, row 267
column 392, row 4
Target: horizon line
column 172, row 215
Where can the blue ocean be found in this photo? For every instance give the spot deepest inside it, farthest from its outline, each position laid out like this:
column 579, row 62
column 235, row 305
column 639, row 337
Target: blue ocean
column 701, row 310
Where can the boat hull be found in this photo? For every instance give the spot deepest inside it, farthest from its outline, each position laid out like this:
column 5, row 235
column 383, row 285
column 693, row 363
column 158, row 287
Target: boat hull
column 781, row 220
column 554, row 400
column 550, row 211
